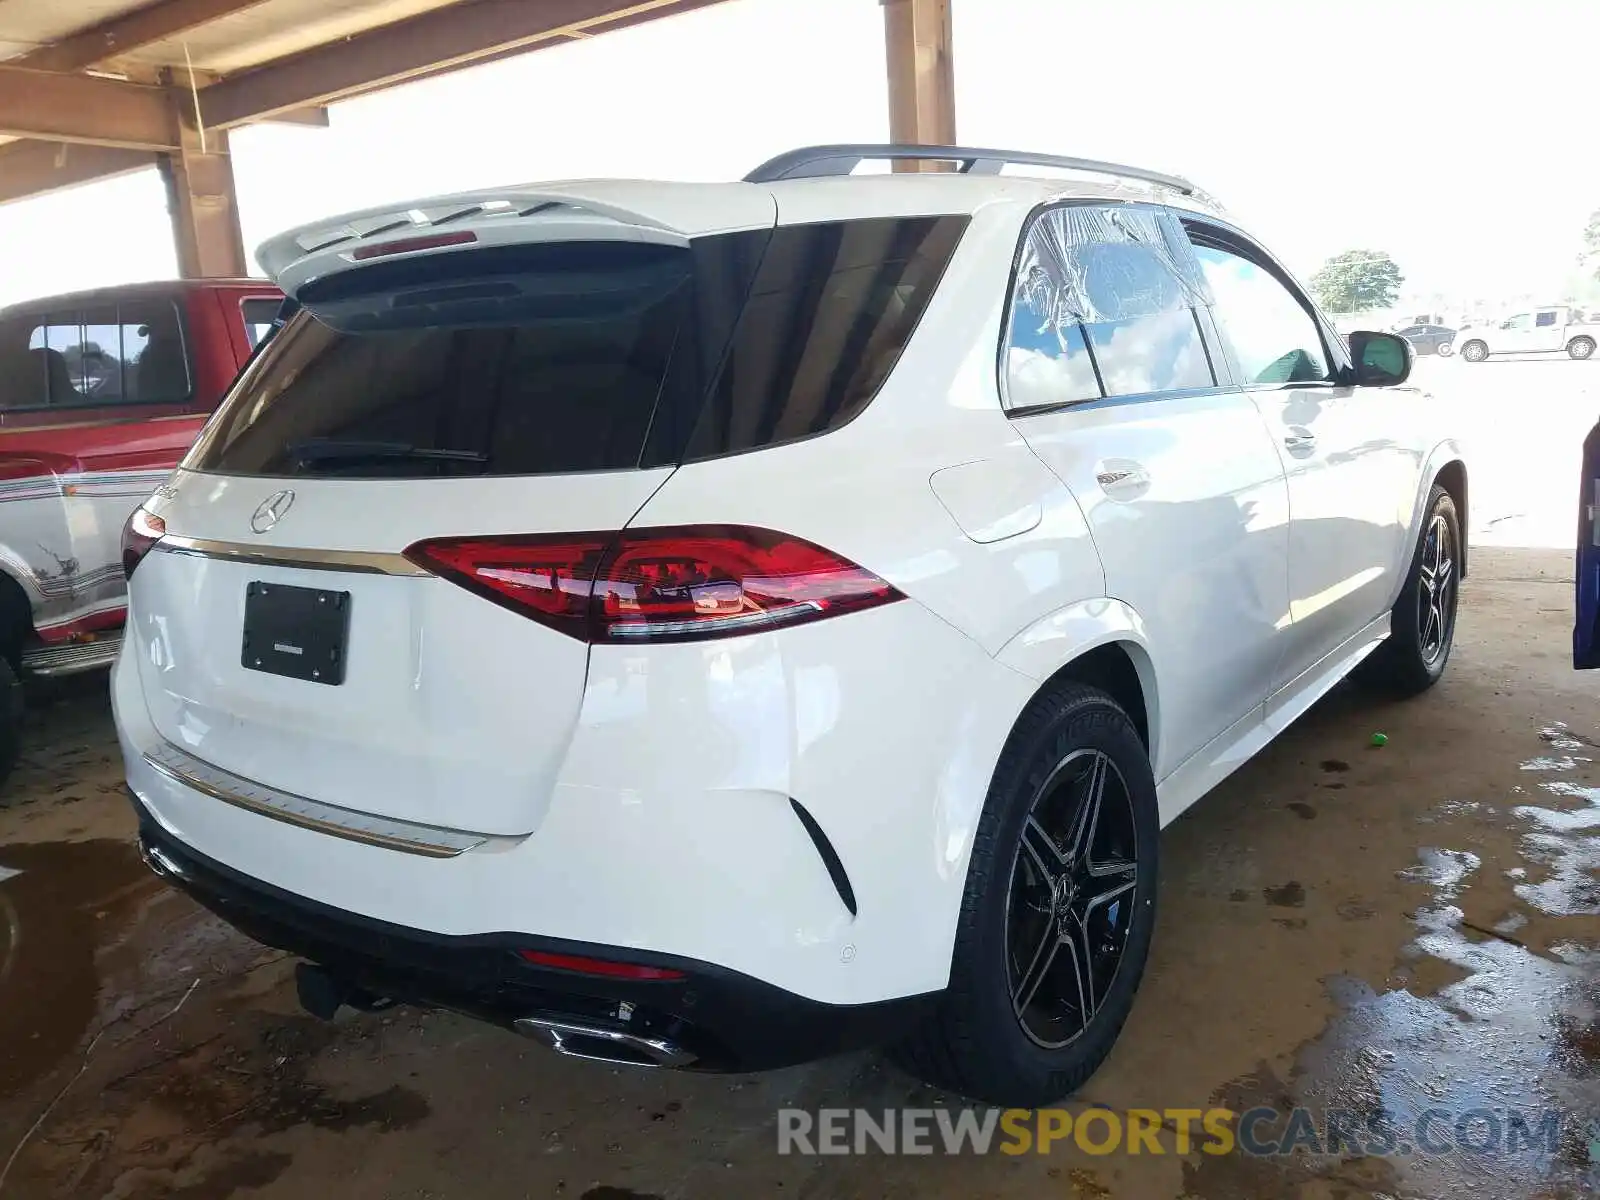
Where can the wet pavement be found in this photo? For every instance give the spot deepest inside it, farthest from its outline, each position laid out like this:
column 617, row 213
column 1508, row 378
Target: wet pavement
column 1389, row 956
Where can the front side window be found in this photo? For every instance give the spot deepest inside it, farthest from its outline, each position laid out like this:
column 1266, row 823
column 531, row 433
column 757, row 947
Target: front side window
column 1519, row 322
column 1101, row 307
column 1274, row 338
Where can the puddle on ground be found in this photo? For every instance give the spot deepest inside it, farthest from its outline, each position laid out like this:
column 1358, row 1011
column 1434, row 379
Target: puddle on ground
column 62, row 906
column 1498, row 1040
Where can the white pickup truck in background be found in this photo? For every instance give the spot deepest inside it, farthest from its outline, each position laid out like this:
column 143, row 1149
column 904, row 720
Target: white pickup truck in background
column 1539, row 331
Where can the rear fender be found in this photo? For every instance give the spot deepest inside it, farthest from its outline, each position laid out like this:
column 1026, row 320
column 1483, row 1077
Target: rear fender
column 1048, row 645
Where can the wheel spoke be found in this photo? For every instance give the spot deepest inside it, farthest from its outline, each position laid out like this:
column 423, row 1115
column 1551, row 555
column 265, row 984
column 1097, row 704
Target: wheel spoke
column 1076, row 942
column 1047, row 860
column 1084, row 821
column 1106, row 881
column 1425, row 579
column 1038, row 966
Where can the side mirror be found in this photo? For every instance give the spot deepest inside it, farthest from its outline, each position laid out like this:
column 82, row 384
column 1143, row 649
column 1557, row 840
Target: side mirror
column 1382, row 359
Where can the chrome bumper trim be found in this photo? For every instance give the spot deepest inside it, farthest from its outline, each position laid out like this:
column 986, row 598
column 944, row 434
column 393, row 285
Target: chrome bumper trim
column 360, row 561
column 406, row 836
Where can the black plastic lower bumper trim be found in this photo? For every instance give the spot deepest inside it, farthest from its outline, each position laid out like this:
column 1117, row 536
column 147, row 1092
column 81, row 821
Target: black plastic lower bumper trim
column 729, row 1020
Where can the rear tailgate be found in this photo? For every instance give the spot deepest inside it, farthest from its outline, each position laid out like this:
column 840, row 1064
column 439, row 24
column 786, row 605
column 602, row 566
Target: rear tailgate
column 528, row 384
column 452, row 711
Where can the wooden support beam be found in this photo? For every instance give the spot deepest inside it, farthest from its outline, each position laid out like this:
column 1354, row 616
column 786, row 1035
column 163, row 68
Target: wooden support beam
column 922, row 90
column 127, row 33
column 316, row 117
column 34, row 168
column 463, row 33
column 82, row 108
column 203, row 205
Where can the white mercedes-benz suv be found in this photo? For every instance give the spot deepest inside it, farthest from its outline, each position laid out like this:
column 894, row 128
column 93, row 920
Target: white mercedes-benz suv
column 711, row 625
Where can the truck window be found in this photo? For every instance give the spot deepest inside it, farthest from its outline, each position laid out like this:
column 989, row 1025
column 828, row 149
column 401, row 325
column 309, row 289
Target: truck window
column 132, row 353
column 1545, row 319
column 259, row 313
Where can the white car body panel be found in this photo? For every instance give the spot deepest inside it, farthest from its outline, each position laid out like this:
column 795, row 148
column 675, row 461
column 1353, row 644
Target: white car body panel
column 639, row 796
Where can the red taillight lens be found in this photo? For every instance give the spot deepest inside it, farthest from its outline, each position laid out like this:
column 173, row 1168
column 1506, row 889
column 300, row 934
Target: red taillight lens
column 140, row 533
column 658, row 585
column 597, row 966
column 547, row 578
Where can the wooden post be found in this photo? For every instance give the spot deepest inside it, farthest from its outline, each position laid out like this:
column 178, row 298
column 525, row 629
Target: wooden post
column 201, row 198
column 922, row 98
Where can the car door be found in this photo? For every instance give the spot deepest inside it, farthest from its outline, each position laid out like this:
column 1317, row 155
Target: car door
column 1112, row 375
column 1549, row 330
column 1347, row 470
column 1514, row 335
column 1586, row 600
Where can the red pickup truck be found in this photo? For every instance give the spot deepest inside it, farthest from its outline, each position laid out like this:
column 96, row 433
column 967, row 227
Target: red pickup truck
column 101, row 394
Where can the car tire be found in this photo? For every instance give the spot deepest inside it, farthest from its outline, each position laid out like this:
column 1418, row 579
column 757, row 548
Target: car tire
column 1422, row 624
column 978, row 1039
column 10, row 718
column 1475, row 351
column 1445, row 350
column 1580, row 347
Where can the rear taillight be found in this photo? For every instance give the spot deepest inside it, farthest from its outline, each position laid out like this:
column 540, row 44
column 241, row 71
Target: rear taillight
column 139, row 535
column 658, row 585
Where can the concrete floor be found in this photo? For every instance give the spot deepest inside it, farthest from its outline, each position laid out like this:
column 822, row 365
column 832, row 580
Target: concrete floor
column 1408, row 927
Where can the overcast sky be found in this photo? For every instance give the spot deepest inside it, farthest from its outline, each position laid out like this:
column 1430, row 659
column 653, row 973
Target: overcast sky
column 1463, row 138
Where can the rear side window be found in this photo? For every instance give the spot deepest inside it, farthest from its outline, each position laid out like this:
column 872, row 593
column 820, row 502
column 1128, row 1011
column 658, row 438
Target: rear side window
column 830, row 311
column 127, row 353
column 1544, row 319
column 564, row 357
column 1102, row 306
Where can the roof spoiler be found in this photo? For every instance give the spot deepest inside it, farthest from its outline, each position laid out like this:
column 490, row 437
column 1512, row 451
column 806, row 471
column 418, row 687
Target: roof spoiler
column 814, row 162
column 297, row 256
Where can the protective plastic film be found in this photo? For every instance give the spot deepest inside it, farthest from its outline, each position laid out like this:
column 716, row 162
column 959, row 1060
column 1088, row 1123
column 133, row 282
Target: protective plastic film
column 1104, row 306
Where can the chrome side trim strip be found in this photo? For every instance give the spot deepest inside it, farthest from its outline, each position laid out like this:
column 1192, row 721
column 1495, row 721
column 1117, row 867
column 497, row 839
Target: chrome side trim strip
column 407, row 836
column 366, row 562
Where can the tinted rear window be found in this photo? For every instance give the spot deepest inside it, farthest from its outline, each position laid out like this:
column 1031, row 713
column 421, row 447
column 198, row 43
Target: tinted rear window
column 581, row 356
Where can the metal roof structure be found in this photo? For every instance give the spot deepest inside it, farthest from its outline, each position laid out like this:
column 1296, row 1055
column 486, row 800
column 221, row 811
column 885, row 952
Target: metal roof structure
column 95, row 88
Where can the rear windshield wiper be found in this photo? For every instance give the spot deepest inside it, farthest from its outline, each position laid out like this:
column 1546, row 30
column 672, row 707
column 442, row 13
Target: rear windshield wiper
column 352, row 451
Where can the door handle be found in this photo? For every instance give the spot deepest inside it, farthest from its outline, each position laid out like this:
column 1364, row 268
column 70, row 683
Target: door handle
column 1121, row 479
column 1299, row 441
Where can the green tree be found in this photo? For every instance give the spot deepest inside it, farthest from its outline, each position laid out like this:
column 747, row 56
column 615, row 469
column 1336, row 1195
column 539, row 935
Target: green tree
column 1357, row 280
column 1591, row 241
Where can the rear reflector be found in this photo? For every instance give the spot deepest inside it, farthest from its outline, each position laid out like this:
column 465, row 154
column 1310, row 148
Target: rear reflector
column 139, row 535
column 677, row 584
column 432, row 241
column 597, row 966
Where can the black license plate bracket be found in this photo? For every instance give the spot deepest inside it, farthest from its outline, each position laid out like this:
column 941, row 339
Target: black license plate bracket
column 298, row 632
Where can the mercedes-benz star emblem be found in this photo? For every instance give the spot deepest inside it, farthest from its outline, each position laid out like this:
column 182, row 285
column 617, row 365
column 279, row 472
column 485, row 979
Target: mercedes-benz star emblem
column 271, row 510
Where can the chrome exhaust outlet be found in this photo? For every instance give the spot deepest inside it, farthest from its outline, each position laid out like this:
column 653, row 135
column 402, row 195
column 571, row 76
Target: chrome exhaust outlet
column 604, row 1045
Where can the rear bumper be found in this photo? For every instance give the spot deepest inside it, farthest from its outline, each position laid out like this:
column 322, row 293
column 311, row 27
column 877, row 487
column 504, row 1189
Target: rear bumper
column 54, row 659
column 725, row 1021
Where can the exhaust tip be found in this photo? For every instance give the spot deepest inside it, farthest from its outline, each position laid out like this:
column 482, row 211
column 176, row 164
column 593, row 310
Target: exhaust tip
column 598, row 1044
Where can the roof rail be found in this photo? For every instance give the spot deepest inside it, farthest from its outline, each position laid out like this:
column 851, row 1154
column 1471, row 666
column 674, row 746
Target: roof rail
column 812, row 162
